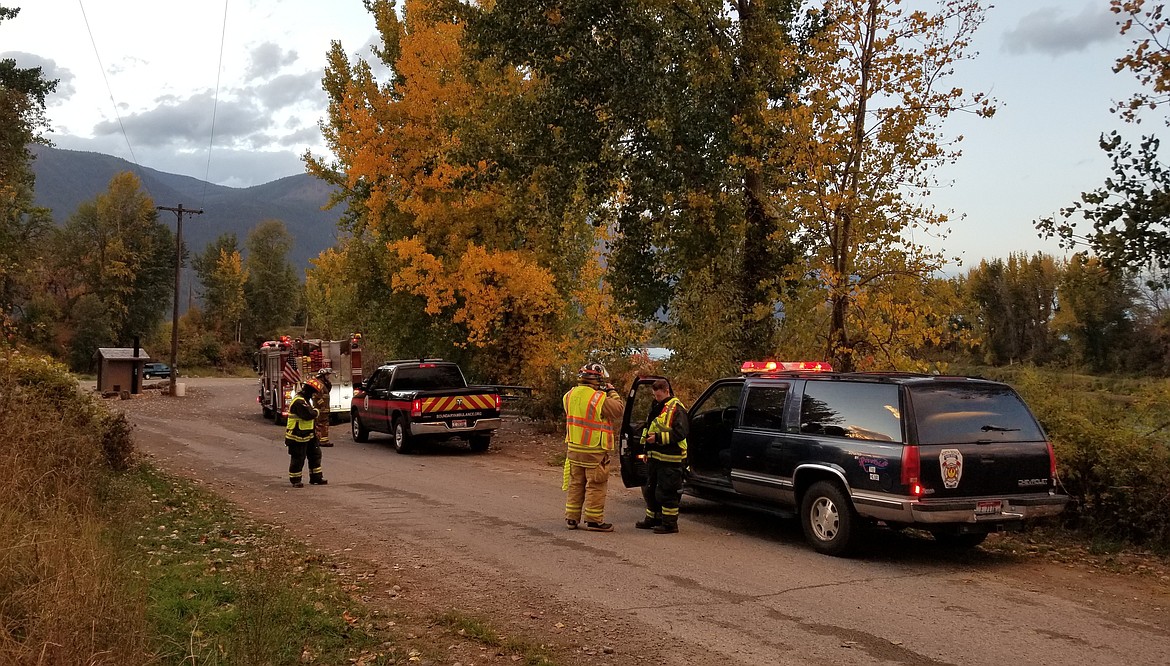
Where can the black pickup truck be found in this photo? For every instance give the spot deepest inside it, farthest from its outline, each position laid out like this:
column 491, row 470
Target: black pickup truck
column 957, row 456
column 424, row 399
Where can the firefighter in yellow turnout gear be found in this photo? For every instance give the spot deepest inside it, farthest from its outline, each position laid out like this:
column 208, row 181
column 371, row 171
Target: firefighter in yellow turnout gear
column 590, row 409
column 665, row 441
column 321, row 401
column 300, row 436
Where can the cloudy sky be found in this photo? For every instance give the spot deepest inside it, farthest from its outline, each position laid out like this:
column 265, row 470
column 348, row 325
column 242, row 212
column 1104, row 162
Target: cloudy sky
column 143, row 80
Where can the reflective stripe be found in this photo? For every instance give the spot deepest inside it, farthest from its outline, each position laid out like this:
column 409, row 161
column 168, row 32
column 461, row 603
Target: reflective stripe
column 661, row 427
column 298, row 429
column 586, row 430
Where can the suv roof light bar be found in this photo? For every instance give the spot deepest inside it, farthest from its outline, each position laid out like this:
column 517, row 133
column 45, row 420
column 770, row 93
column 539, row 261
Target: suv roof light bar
column 752, row 367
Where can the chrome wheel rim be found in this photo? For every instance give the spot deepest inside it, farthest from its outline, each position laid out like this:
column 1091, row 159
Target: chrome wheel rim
column 824, row 519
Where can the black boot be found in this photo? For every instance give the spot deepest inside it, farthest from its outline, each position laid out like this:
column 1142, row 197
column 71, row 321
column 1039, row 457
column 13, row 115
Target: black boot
column 649, row 522
column 670, row 527
column 296, row 482
column 317, row 479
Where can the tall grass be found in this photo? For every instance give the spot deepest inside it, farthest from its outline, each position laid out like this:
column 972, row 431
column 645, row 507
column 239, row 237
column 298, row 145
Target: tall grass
column 63, row 597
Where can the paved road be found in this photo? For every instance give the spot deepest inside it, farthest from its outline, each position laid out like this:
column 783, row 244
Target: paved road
column 744, row 588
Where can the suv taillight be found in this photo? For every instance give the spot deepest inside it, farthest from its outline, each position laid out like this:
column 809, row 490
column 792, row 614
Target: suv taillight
column 1051, row 460
column 911, row 470
column 416, row 408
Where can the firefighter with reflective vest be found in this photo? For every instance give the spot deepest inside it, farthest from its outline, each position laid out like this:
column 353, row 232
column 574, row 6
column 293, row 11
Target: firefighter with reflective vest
column 300, row 436
column 665, row 441
column 590, row 409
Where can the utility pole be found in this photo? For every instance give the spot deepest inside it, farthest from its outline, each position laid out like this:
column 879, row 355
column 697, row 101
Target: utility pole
column 178, row 269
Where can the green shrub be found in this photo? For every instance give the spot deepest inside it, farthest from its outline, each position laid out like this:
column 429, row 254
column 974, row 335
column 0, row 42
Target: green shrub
column 1112, row 445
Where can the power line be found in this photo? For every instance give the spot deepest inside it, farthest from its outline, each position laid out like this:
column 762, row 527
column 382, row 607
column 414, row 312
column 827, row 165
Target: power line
column 215, row 105
column 113, row 102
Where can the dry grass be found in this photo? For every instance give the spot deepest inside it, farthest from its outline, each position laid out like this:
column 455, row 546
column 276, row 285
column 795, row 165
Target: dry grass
column 62, row 594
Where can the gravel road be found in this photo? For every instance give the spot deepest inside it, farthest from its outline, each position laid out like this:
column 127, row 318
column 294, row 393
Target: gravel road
column 483, row 533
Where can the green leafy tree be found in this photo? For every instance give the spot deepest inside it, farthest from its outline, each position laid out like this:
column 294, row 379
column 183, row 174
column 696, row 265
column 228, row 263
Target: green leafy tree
column 23, row 227
column 271, row 290
column 661, row 118
column 1012, row 305
column 115, row 250
column 222, row 278
column 1095, row 313
column 1129, row 216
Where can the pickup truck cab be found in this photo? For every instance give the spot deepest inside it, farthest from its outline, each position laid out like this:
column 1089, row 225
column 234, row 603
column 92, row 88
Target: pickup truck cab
column 422, row 400
column 957, row 456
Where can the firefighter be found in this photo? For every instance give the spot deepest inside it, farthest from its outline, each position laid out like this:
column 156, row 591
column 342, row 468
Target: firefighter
column 300, row 437
column 321, row 402
column 665, row 441
column 590, row 409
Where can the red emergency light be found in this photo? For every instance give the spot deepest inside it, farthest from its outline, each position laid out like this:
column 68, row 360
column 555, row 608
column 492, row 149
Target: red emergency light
column 749, row 367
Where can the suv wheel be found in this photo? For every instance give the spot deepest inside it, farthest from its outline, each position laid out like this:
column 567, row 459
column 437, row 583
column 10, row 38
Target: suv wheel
column 401, row 437
column 359, row 431
column 827, row 518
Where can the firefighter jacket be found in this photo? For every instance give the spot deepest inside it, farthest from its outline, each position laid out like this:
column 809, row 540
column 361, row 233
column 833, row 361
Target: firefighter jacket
column 301, row 420
column 588, row 413
column 670, row 426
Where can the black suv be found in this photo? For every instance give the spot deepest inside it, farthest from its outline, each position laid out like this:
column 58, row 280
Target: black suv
column 958, row 456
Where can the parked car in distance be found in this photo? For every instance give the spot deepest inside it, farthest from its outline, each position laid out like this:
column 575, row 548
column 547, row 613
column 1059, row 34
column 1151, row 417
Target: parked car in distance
column 156, row 370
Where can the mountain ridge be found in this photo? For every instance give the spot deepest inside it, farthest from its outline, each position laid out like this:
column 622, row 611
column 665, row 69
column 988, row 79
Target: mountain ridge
column 67, row 178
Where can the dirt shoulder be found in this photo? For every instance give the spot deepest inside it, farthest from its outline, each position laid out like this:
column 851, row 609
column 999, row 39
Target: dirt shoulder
column 432, row 592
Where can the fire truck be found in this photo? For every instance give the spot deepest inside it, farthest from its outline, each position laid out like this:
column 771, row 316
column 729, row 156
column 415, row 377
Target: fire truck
column 284, row 364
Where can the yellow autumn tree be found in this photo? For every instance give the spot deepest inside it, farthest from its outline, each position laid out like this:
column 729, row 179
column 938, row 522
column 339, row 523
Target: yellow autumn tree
column 493, row 274
column 865, row 134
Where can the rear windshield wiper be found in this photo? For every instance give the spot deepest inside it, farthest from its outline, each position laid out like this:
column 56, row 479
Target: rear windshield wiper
column 991, row 428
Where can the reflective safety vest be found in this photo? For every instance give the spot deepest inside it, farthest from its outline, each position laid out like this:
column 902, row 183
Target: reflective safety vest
column 298, row 429
column 674, row 452
column 586, row 430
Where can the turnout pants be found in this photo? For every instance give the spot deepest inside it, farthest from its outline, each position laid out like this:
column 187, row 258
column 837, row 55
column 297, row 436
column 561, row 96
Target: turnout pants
column 297, row 452
column 662, row 490
column 588, row 479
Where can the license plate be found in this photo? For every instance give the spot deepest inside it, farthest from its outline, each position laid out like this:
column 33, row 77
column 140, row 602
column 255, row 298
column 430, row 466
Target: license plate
column 459, row 423
column 988, row 507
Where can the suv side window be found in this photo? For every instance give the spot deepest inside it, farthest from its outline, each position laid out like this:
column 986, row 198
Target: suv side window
column 764, row 407
column 851, row 409
column 724, row 400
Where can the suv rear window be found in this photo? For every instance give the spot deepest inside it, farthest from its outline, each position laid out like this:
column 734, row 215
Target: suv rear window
column 425, row 379
column 856, row 410
column 966, row 413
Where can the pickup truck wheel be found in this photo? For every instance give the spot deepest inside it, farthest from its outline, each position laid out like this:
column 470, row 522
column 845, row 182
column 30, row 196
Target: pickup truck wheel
column 827, row 518
column 952, row 539
column 359, row 431
column 401, row 437
column 480, row 443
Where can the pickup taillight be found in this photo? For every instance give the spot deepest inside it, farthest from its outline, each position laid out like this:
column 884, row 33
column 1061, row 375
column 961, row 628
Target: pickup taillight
column 416, row 408
column 499, row 401
column 911, row 470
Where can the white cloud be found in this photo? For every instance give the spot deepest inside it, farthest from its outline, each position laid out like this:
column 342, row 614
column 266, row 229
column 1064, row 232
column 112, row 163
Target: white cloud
column 49, row 71
column 267, row 59
column 1055, row 32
